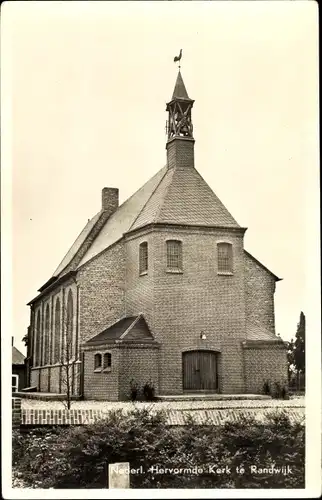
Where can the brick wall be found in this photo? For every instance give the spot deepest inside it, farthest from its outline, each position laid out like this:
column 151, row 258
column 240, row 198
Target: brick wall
column 264, row 363
column 260, row 288
column 180, row 153
column 101, row 385
column 139, row 364
column 178, row 307
column 55, row 385
column 101, row 289
column 16, row 412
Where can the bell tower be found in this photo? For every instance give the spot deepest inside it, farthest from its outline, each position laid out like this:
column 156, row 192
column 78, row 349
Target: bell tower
column 180, row 143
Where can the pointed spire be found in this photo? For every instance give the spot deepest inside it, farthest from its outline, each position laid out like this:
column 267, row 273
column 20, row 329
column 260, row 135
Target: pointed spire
column 180, row 91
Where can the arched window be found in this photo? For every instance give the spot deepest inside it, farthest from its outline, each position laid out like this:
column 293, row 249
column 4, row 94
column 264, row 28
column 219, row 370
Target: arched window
column 107, row 360
column 98, row 361
column 46, row 336
column 143, row 258
column 69, row 341
column 174, row 255
column 225, row 257
column 38, row 341
column 57, row 352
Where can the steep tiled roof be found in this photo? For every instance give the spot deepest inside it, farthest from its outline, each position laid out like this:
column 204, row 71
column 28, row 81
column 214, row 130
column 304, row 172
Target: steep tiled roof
column 184, row 197
column 174, row 196
column 123, row 218
column 128, row 329
column 77, row 244
column 17, row 357
column 180, row 91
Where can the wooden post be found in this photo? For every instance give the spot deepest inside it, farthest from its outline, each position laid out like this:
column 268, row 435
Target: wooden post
column 119, row 475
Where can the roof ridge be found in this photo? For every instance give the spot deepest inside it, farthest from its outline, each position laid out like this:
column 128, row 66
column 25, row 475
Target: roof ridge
column 164, row 197
column 218, row 199
column 262, row 265
column 154, row 190
column 130, row 327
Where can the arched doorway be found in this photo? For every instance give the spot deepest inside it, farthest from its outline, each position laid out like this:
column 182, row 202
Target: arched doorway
column 200, row 370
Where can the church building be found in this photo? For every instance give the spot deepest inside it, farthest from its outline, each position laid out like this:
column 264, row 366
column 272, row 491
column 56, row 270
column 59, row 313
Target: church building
column 158, row 289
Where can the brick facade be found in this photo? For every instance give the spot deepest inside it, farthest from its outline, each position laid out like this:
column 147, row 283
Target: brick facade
column 264, row 363
column 178, row 308
column 101, row 290
column 138, row 363
column 260, row 288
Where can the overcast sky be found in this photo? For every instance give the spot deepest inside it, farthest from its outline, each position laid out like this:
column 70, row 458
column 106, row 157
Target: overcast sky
column 86, row 84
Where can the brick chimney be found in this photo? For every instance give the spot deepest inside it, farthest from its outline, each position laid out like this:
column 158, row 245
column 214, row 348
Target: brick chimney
column 110, row 200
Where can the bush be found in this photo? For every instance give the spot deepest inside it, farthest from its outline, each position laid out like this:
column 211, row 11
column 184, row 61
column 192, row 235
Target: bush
column 77, row 457
column 276, row 390
column 149, row 391
column 266, row 388
column 134, row 390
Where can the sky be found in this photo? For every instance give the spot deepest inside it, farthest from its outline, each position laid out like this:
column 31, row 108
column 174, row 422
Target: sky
column 84, row 89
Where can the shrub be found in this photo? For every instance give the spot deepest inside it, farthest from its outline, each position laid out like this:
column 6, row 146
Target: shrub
column 134, row 390
column 149, row 391
column 280, row 391
column 266, row 388
column 77, row 457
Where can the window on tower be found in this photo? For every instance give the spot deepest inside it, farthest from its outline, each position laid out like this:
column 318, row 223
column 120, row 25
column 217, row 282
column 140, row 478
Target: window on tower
column 143, row 258
column 225, row 258
column 174, row 256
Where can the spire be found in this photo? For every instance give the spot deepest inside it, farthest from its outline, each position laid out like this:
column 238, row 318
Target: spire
column 180, row 143
column 179, row 124
column 180, row 91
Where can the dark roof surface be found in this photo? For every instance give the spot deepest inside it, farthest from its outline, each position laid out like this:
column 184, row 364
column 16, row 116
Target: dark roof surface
column 180, row 91
column 17, row 357
column 128, row 329
column 184, row 197
column 258, row 332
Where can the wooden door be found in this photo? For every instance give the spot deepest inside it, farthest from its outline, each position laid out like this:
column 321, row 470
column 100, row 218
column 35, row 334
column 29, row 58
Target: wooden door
column 200, row 370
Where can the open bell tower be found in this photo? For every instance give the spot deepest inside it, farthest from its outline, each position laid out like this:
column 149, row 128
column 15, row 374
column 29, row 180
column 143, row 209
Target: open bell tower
column 180, row 143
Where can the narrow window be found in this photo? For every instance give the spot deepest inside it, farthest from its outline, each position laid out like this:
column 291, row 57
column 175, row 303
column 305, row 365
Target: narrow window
column 143, row 258
column 15, row 383
column 97, row 361
column 69, row 346
column 46, row 336
column 174, row 255
column 57, row 332
column 38, row 341
column 225, row 257
column 107, row 360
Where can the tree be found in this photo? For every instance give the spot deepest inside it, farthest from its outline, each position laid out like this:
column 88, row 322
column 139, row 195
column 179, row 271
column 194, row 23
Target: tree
column 25, row 339
column 290, row 358
column 67, row 352
column 299, row 345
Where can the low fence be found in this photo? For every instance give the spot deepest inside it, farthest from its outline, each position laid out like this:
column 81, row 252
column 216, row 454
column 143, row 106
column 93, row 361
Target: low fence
column 215, row 416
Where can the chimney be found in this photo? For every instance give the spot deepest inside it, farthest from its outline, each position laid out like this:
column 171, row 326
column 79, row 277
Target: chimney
column 110, row 200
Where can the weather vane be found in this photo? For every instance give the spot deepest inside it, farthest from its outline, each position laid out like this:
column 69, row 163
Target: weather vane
column 178, row 58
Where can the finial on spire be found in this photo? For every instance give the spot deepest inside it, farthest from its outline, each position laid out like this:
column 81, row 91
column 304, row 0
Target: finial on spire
column 178, row 58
